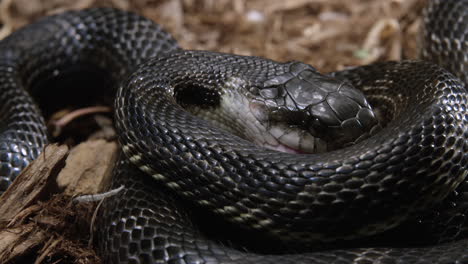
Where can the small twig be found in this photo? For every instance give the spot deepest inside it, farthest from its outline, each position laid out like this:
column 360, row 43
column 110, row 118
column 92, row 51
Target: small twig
column 372, row 44
column 59, row 124
column 97, row 197
column 93, row 220
column 92, row 198
column 49, row 246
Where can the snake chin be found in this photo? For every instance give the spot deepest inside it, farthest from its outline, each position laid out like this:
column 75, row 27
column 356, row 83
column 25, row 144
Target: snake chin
column 295, row 140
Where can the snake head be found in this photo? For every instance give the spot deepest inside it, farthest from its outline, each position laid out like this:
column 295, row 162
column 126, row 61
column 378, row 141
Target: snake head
column 314, row 112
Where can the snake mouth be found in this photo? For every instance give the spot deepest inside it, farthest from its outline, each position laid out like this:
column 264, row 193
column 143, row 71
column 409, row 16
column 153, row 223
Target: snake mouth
column 295, row 140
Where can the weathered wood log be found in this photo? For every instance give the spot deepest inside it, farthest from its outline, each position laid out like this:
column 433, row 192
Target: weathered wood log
column 19, row 241
column 32, row 225
column 88, row 169
column 36, row 180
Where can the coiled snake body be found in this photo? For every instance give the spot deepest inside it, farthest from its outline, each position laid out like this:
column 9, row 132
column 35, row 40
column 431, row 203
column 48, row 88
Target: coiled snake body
column 417, row 162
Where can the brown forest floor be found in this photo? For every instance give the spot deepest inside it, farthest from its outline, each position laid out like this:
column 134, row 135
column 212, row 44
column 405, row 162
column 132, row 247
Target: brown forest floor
column 328, row 34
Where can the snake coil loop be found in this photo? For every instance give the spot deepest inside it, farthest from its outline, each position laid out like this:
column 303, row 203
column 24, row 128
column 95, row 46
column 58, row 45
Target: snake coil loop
column 417, row 162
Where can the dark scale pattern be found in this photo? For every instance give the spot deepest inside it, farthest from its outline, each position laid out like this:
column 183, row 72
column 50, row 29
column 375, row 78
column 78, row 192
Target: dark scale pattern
column 99, row 37
column 411, row 165
column 22, row 129
column 148, row 226
column 445, row 35
column 372, row 185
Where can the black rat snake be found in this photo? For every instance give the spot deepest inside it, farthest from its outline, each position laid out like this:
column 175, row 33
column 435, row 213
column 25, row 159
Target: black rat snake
column 412, row 172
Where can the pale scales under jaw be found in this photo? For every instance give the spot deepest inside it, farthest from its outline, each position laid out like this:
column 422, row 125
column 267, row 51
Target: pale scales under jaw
column 241, row 116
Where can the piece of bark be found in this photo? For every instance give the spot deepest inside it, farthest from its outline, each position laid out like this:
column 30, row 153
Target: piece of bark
column 35, row 180
column 88, row 168
column 19, row 241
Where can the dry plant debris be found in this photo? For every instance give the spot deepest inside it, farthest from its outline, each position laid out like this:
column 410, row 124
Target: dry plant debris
column 328, row 34
column 39, row 222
